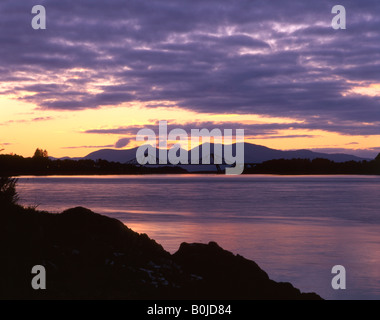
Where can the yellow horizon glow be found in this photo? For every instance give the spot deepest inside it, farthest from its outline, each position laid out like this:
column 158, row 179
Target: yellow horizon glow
column 57, row 131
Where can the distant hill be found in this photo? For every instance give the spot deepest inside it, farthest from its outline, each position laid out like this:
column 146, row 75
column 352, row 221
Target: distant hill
column 121, row 156
column 258, row 160
column 252, row 154
column 257, row 154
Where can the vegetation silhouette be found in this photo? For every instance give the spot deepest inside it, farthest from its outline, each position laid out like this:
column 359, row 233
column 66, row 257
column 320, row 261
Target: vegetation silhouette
column 315, row 166
column 90, row 256
column 8, row 194
column 39, row 153
column 41, row 164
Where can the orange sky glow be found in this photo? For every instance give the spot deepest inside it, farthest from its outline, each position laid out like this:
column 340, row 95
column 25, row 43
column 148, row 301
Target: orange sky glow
column 24, row 127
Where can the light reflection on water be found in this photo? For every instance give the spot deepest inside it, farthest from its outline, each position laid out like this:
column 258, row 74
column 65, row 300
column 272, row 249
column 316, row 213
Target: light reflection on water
column 295, row 228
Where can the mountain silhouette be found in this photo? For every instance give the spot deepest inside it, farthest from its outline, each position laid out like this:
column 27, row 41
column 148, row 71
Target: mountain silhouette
column 252, row 154
column 112, row 155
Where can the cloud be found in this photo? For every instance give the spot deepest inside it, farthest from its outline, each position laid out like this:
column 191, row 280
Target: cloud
column 38, row 119
column 4, row 144
column 276, row 58
column 121, row 143
column 42, row 119
column 290, row 136
column 263, row 130
column 88, row 147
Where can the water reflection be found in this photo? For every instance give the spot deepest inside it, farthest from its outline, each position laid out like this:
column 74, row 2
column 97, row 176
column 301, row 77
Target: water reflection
column 295, row 228
column 296, row 252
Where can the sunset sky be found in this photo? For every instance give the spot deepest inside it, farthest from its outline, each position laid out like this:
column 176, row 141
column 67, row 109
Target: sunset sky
column 104, row 69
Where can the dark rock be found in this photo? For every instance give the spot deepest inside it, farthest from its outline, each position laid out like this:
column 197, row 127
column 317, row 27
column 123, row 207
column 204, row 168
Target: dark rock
column 227, row 276
column 90, row 256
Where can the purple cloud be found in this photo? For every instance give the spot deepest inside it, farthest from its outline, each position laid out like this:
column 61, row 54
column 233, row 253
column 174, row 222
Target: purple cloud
column 121, row 143
column 276, row 58
column 266, row 130
column 88, row 147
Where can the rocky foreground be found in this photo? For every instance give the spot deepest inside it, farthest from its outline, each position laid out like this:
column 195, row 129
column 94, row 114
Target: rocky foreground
column 90, row 256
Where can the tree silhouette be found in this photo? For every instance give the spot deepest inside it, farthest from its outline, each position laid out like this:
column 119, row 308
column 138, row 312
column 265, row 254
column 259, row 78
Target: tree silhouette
column 39, row 153
column 8, row 194
column 378, row 158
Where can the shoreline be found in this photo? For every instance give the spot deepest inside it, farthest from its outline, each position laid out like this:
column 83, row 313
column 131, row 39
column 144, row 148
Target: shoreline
column 194, row 174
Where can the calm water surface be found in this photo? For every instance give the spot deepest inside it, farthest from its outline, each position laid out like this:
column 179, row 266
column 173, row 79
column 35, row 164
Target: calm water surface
column 295, row 227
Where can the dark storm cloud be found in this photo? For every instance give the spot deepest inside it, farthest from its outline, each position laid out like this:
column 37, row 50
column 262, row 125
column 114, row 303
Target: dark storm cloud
column 276, row 58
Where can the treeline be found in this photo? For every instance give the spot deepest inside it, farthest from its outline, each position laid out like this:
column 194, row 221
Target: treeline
column 316, row 166
column 14, row 165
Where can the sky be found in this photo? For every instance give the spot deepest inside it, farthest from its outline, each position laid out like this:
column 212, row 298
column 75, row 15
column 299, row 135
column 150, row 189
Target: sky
column 102, row 70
